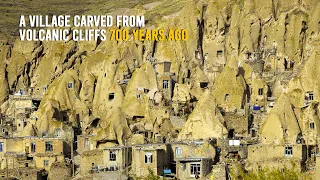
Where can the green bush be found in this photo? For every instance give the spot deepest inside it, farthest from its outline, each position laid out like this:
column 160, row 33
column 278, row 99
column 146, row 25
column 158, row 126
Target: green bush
column 273, row 174
column 150, row 176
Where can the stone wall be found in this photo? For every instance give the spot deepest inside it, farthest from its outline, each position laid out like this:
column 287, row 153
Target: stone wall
column 274, row 156
column 219, row 171
column 90, row 159
column 238, row 122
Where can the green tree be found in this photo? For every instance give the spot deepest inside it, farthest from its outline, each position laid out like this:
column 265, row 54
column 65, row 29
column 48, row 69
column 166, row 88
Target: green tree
column 150, row 176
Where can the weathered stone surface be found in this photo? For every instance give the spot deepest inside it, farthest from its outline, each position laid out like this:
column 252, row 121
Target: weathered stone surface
column 234, row 49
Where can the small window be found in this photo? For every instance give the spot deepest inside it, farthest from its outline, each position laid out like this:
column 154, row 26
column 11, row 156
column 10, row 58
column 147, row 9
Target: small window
column 148, row 158
column 70, row 85
column 195, row 169
column 86, row 142
column 260, row 91
column 189, row 73
column 146, row 91
column 312, row 125
column 111, row 96
column 178, row 151
column 3, row 130
column 253, row 133
column 138, row 96
column 58, row 132
column 1, row 147
column 165, row 84
column 44, row 89
column 146, row 134
column 64, row 118
column 33, row 147
column 49, row 146
column 113, row 156
column 167, row 66
column 197, row 55
column 310, row 96
column 288, row 151
column 227, row 97
column 135, row 63
column 203, row 85
column 45, row 163
column 219, row 53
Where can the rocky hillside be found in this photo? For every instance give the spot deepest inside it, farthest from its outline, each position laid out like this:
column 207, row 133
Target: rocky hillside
column 117, row 89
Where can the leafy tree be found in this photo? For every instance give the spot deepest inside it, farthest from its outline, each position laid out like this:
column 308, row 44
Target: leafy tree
column 150, row 176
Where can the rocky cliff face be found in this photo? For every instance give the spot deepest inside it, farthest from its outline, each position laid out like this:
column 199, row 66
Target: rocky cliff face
column 115, row 89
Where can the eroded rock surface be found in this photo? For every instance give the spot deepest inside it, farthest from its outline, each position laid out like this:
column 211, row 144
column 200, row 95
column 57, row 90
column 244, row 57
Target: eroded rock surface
column 118, row 90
